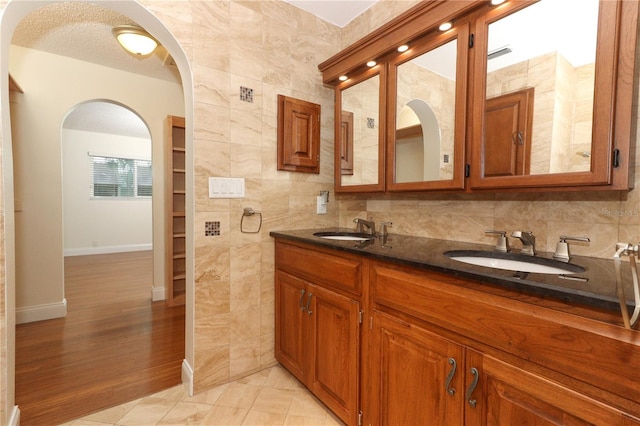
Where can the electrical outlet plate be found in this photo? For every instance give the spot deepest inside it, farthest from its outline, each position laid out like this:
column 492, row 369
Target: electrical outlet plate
column 220, row 187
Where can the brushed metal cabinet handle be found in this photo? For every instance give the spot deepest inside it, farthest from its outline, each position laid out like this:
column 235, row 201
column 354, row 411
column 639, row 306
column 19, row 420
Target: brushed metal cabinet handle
column 300, row 301
column 451, row 391
column 472, row 387
column 306, row 308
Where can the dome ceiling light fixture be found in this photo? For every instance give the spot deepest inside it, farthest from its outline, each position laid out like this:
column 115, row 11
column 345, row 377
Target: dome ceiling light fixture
column 135, row 40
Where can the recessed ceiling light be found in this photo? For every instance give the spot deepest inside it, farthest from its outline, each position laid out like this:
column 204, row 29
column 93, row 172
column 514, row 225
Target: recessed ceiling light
column 445, row 26
column 343, row 78
column 371, row 64
column 403, row 48
column 497, row 2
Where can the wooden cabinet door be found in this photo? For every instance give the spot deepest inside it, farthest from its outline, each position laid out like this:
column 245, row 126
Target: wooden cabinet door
column 298, row 135
column 508, row 395
column 346, row 143
column 507, row 141
column 290, row 347
column 335, row 342
column 410, row 367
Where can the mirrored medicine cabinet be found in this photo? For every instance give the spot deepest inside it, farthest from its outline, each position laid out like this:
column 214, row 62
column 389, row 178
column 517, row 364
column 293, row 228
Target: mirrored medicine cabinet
column 526, row 95
column 359, row 155
column 426, row 101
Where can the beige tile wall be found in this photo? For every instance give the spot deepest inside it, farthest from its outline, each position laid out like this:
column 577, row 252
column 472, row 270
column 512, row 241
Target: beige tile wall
column 272, row 48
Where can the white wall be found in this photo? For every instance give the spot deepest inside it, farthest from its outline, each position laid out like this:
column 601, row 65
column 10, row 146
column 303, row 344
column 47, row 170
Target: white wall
column 52, row 86
column 101, row 225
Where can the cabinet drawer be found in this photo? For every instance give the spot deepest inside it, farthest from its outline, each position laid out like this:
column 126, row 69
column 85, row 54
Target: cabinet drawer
column 342, row 272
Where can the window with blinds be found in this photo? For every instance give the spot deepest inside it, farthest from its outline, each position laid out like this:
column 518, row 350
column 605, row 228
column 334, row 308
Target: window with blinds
column 113, row 177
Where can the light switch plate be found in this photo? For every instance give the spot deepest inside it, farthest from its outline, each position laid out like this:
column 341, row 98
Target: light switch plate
column 221, row 187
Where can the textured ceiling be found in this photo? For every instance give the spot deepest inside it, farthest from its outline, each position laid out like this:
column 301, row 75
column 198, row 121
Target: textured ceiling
column 106, row 117
column 83, row 31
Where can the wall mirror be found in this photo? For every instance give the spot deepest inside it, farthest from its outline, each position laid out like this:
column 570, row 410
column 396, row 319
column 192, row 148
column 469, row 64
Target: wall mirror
column 544, row 97
column 426, row 113
column 359, row 133
column 538, row 115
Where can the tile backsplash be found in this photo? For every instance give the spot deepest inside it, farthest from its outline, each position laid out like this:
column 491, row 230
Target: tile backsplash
column 604, row 217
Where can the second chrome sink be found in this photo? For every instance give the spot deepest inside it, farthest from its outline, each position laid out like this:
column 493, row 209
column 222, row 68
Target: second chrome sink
column 344, row 236
column 514, row 262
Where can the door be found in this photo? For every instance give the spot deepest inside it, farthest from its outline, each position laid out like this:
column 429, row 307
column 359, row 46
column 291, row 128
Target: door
column 507, row 144
column 291, row 296
column 508, row 395
column 413, row 380
column 335, row 339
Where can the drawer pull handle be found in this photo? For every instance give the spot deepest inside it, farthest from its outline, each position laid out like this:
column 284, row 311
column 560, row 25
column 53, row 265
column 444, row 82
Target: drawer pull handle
column 306, row 308
column 451, row 391
column 301, row 298
column 472, row 387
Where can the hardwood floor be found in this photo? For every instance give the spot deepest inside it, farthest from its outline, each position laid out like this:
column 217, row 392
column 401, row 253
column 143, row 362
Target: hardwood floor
column 114, row 345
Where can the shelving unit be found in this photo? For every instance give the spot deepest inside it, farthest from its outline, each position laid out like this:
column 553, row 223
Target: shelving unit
column 175, row 259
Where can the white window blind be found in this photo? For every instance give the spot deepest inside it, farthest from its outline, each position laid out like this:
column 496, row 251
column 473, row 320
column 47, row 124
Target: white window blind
column 114, row 177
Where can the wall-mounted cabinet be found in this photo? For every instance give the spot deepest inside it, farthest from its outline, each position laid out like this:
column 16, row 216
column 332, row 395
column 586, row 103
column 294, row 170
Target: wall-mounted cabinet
column 513, row 96
column 298, row 135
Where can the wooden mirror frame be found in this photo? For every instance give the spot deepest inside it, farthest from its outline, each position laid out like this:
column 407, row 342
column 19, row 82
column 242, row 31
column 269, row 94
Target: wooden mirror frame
column 617, row 21
column 380, row 71
column 430, row 42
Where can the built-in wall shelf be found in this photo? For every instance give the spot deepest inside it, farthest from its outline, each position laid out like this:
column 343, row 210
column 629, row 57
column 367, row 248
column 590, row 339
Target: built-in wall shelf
column 175, row 259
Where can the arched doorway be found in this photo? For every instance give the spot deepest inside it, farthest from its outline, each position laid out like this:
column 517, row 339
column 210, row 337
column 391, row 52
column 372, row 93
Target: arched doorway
column 13, row 13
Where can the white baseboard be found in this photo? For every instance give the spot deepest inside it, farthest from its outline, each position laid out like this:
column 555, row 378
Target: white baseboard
column 157, row 293
column 107, row 249
column 14, row 419
column 187, row 376
column 41, row 312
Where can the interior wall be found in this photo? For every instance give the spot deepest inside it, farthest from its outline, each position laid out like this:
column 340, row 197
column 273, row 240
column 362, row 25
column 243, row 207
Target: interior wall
column 52, row 86
column 102, row 225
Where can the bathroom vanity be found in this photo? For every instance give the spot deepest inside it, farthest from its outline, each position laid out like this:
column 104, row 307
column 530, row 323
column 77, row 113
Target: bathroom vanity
column 393, row 332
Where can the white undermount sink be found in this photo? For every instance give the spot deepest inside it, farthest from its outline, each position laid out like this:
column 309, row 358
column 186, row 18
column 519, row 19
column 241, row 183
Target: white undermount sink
column 514, row 262
column 344, row 236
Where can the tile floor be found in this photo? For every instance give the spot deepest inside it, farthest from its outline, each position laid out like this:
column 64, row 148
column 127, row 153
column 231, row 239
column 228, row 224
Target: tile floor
column 270, row 397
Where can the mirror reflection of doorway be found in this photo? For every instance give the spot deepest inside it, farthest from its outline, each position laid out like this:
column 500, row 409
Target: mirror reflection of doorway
column 418, row 142
column 124, row 347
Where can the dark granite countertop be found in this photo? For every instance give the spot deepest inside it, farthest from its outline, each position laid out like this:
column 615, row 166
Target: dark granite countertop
column 595, row 287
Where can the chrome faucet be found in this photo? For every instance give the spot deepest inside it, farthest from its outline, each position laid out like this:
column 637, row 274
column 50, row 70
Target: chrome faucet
column 562, row 248
column 361, row 224
column 502, row 244
column 528, row 242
